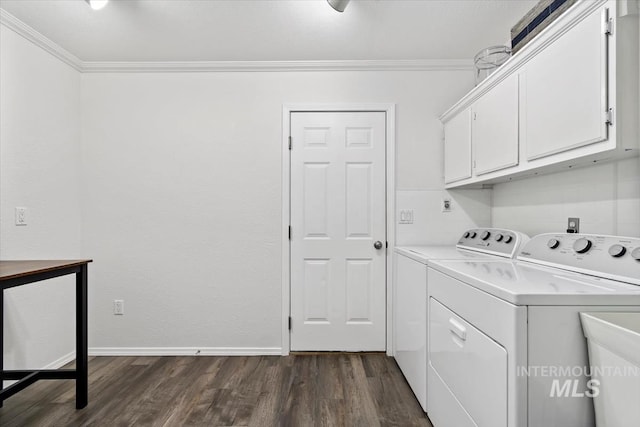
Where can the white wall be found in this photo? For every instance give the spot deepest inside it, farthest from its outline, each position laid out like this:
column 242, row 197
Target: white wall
column 605, row 197
column 39, row 169
column 431, row 226
column 182, row 193
column 171, row 182
column 420, row 169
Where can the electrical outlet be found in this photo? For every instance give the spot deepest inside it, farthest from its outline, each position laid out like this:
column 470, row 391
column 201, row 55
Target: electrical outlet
column 21, row 216
column 118, row 306
column 573, row 225
column 446, row 205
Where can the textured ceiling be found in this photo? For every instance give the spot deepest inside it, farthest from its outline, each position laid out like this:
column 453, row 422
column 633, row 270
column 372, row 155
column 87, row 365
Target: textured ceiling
column 271, row 30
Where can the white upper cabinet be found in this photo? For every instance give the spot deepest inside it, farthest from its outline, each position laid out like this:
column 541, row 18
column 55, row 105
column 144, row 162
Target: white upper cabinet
column 495, row 127
column 568, row 98
column 565, row 91
column 457, row 147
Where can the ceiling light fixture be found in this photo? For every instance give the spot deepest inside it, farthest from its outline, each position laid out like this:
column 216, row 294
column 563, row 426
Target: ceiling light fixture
column 97, row 4
column 338, row 5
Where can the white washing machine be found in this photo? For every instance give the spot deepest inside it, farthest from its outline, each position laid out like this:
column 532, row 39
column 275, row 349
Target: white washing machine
column 506, row 346
column 410, row 294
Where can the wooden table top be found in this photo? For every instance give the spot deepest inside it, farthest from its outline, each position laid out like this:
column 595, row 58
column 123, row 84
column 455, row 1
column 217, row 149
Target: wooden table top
column 14, row 269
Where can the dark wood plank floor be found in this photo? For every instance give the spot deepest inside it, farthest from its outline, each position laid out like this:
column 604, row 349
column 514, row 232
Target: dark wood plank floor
column 299, row 390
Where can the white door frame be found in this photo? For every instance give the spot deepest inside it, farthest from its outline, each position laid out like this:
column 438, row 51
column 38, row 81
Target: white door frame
column 287, row 109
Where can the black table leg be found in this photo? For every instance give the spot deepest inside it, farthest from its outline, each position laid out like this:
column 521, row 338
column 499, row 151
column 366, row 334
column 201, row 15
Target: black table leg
column 82, row 352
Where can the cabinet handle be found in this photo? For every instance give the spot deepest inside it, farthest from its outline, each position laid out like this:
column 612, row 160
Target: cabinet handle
column 458, row 329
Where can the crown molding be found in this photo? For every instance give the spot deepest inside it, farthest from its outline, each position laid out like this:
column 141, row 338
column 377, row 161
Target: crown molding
column 59, row 52
column 16, row 25
column 276, row 66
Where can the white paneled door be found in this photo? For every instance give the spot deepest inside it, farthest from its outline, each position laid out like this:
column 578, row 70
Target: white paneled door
column 338, row 231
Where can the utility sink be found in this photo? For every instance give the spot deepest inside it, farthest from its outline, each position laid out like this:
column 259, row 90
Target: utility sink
column 614, row 355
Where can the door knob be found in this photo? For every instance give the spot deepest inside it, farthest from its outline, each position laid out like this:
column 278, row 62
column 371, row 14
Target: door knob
column 377, row 244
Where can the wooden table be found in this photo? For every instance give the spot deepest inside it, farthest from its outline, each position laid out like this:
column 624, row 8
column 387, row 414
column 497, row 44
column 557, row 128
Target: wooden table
column 17, row 273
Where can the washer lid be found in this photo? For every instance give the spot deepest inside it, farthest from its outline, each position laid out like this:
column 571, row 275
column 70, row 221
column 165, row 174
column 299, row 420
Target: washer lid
column 523, row 283
column 424, row 254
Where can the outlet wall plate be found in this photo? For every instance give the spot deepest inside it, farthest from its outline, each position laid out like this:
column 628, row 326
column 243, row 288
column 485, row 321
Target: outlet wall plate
column 446, row 205
column 118, row 307
column 573, row 225
column 21, row 216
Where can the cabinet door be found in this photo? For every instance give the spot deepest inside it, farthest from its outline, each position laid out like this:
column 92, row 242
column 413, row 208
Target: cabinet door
column 495, row 128
column 457, row 147
column 564, row 91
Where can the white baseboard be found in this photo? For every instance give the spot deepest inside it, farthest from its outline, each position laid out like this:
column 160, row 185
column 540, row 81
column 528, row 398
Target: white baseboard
column 56, row 364
column 185, row 351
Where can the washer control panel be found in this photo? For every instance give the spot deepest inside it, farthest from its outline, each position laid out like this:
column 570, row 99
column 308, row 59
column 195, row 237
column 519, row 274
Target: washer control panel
column 494, row 241
column 612, row 257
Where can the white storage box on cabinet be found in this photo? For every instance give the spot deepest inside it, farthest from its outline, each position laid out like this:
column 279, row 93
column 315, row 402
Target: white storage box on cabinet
column 577, row 95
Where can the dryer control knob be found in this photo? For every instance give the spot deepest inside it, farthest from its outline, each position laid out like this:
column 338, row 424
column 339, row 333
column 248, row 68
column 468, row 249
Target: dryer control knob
column 553, row 244
column 508, row 239
column 617, row 251
column 473, row 234
column 582, row 245
column 466, row 235
column 636, row 254
column 499, row 237
column 486, row 235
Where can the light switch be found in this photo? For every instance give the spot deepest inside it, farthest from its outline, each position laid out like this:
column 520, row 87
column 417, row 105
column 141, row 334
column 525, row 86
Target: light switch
column 406, row 216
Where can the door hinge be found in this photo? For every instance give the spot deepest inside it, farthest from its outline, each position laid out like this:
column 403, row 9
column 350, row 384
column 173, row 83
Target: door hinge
column 289, row 232
column 608, row 117
column 290, row 143
column 608, row 23
column 289, row 322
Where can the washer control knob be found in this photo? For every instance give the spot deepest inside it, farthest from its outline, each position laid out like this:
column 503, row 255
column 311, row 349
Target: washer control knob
column 636, row 254
column 553, row 243
column 473, row 234
column 582, row 245
column 508, row 239
column 617, row 251
column 466, row 235
column 485, row 235
column 499, row 237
